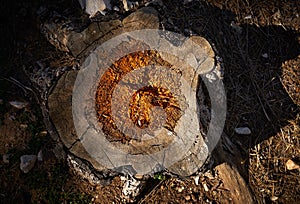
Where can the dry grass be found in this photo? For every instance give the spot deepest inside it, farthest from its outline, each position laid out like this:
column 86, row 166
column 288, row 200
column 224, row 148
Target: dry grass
column 259, row 44
column 269, row 176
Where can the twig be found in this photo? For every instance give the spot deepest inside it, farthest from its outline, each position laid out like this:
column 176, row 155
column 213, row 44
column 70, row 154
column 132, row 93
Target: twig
column 148, row 194
column 17, row 83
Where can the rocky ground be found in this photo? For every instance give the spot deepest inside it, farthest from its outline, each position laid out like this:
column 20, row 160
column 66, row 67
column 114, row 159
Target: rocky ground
column 258, row 43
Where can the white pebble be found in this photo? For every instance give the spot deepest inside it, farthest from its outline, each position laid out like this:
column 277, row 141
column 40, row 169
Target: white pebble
column 18, row 104
column 274, row 198
column 27, row 162
column 247, row 17
column 197, row 180
column 125, row 5
column 290, row 165
column 180, row 189
column 116, row 8
column 243, row 131
column 93, row 6
column 265, row 55
column 205, row 187
column 138, row 176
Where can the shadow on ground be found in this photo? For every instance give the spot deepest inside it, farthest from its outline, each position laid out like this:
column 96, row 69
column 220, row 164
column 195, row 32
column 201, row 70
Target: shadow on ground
column 252, row 51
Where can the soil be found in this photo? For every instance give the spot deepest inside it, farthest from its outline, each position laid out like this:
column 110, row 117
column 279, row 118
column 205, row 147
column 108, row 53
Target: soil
column 258, row 44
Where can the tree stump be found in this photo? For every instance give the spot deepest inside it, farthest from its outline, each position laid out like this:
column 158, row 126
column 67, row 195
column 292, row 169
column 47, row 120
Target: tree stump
column 138, row 104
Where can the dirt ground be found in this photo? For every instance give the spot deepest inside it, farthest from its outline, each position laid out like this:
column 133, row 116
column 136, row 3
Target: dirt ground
column 259, row 44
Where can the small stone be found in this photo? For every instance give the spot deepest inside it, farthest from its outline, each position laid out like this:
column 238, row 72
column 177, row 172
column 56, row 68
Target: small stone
column 187, row 197
column 243, row 130
column 209, row 175
column 44, row 132
column 290, row 165
column 123, row 178
column 247, row 17
column 5, row 158
column 274, row 198
column 180, row 189
column 40, row 156
column 138, row 176
column 205, row 187
column 197, row 180
column 24, row 126
column 129, row 4
column 116, row 8
column 265, row 55
column 125, row 5
column 1, row 101
column 18, row 104
column 93, row 6
column 27, row 162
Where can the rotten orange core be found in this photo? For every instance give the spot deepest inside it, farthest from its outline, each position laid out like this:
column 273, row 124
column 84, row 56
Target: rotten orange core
column 142, row 100
column 147, row 97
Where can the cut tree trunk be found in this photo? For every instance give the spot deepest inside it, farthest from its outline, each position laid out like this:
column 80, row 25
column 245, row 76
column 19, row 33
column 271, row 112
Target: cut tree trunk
column 60, row 99
column 59, row 114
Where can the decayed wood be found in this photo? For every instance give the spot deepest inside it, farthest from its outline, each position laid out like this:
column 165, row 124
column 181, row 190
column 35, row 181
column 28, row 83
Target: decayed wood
column 60, row 101
column 79, row 43
column 196, row 154
column 60, row 104
column 229, row 161
column 233, row 181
